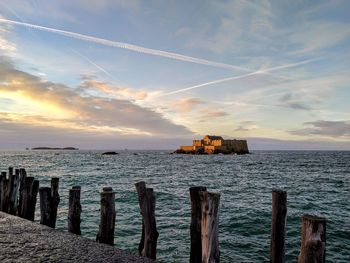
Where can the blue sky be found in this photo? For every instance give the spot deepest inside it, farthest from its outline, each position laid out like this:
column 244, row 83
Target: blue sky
column 156, row 74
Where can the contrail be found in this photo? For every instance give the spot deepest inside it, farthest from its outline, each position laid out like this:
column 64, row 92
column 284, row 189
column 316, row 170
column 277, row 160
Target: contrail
column 258, row 72
column 127, row 46
column 94, row 64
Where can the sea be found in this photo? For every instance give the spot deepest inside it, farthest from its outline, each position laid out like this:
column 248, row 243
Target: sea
column 317, row 183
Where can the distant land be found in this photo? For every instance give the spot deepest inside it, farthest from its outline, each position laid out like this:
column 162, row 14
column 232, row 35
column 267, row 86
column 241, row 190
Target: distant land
column 54, row 148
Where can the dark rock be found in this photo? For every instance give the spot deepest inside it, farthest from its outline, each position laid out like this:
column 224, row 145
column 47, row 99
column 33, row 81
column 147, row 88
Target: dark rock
column 110, row 153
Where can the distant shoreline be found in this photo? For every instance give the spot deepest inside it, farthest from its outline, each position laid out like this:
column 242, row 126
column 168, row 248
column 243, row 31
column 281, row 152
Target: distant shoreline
column 55, row 148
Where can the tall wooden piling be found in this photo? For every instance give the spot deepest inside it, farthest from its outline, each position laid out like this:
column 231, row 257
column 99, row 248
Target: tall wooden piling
column 24, row 196
column 313, row 239
column 5, row 193
column 147, row 202
column 195, row 229
column 2, row 178
column 55, row 199
column 210, row 227
column 32, row 203
column 74, row 210
column 141, row 193
column 13, row 192
column 49, row 200
column 10, row 171
column 45, row 206
column 107, row 217
column 278, row 226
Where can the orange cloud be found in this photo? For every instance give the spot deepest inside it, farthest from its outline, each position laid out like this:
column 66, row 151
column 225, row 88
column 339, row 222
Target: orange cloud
column 58, row 105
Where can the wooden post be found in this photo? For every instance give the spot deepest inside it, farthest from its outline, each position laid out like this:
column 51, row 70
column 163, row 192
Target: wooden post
column 23, row 193
column 196, row 233
column 74, row 210
column 150, row 234
column 141, row 192
column 45, row 206
column 2, row 178
column 107, row 217
column 5, row 194
column 313, row 239
column 49, row 200
column 278, row 226
column 13, row 191
column 25, row 196
column 32, row 203
column 55, row 199
column 210, row 227
column 10, row 171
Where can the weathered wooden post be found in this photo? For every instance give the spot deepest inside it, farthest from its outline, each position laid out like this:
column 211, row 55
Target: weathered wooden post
column 196, row 233
column 27, row 198
column 141, row 193
column 10, row 171
column 147, row 202
column 45, row 206
column 49, row 200
column 55, row 199
column 210, row 227
column 2, row 178
column 22, row 192
column 278, row 226
column 5, row 193
column 74, row 210
column 313, row 239
column 13, row 191
column 24, row 196
column 107, row 217
column 32, row 201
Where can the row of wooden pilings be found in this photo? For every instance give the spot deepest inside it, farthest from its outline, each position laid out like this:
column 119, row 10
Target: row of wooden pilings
column 18, row 196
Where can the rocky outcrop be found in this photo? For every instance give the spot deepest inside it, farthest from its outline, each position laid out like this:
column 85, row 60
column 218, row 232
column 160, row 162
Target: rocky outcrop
column 110, row 153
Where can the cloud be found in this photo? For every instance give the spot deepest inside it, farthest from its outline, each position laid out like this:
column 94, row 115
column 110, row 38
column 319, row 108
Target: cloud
column 188, row 104
column 249, row 28
column 333, row 129
column 101, row 5
column 63, row 106
column 287, row 100
column 89, row 83
column 182, row 31
column 16, row 135
column 245, row 126
column 210, row 114
column 319, row 35
column 5, row 44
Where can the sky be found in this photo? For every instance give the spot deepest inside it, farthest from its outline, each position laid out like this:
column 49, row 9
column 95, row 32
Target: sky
column 115, row 74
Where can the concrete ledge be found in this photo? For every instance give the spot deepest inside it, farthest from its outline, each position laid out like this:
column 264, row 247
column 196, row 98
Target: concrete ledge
column 24, row 241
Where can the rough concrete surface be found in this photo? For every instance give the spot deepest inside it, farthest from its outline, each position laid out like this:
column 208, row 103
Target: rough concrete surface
column 24, row 241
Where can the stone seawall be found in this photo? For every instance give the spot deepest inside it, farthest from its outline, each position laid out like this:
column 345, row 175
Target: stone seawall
column 25, row 241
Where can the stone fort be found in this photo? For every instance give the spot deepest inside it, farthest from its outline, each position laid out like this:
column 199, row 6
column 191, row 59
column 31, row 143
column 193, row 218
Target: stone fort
column 212, row 144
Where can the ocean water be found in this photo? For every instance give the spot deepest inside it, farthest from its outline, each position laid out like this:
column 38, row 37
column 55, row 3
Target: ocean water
column 317, row 183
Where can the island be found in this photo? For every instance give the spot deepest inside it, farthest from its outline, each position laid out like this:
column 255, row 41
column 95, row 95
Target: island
column 56, row 148
column 212, row 144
